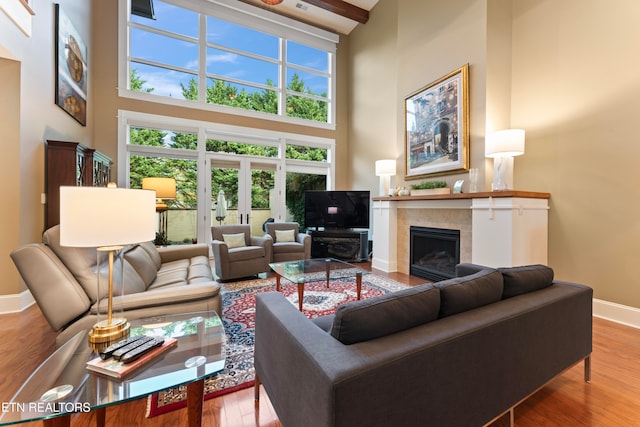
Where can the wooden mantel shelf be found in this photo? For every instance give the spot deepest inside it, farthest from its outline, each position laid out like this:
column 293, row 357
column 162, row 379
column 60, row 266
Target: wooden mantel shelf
column 480, row 195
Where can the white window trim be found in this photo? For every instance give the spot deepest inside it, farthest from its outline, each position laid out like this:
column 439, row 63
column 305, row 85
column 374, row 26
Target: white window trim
column 240, row 13
column 206, row 130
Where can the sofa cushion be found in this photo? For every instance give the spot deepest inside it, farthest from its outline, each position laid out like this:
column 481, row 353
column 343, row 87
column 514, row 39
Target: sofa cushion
column 142, row 263
column 234, row 240
column 465, row 293
column 246, row 253
column 279, row 248
column 153, row 253
column 387, row 314
column 285, row 236
column 523, row 279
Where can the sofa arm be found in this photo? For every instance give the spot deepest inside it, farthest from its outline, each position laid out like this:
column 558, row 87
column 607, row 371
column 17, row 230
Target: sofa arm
column 176, row 252
column 267, row 243
column 303, row 369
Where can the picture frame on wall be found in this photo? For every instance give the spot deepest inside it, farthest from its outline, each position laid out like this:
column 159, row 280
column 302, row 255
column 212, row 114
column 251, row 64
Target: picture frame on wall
column 437, row 127
column 71, row 68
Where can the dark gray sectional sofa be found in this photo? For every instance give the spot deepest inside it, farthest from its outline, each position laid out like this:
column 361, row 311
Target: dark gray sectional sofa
column 460, row 352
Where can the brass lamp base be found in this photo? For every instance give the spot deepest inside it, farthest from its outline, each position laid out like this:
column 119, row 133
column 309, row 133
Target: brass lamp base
column 107, row 331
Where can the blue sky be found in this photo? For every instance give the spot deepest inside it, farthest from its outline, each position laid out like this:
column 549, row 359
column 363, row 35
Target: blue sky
column 184, row 54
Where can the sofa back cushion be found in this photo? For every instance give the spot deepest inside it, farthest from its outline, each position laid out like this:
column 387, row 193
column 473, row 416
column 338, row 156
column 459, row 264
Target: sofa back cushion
column 386, row 314
column 465, row 293
column 143, row 264
column 523, row 279
column 83, row 264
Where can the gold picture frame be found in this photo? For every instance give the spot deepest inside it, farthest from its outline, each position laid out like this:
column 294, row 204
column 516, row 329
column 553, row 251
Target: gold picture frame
column 437, row 127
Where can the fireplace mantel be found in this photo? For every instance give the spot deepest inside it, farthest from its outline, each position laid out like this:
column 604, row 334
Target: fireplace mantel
column 498, row 229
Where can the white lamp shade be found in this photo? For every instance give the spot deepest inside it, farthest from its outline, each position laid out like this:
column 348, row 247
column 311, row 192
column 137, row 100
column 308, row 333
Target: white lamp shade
column 100, row 216
column 505, row 143
column 385, row 167
column 165, row 188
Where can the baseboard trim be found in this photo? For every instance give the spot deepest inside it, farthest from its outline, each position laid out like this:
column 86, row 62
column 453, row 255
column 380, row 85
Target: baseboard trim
column 623, row 314
column 15, row 303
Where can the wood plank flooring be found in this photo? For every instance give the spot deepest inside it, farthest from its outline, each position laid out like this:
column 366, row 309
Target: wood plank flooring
column 611, row 400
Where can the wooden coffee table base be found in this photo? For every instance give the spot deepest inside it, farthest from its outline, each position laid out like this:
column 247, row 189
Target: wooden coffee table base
column 301, row 287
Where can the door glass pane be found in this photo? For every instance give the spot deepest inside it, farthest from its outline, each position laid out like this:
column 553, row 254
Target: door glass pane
column 262, row 199
column 225, row 179
column 180, row 218
column 297, row 183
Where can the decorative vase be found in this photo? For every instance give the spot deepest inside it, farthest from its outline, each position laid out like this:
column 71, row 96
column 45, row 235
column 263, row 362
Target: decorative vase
column 403, row 192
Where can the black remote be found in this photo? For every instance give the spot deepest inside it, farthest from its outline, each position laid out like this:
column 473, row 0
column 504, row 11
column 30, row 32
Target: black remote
column 108, row 352
column 137, row 352
column 127, row 348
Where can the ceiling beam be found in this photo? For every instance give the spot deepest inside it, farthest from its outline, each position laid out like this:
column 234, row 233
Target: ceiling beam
column 342, row 8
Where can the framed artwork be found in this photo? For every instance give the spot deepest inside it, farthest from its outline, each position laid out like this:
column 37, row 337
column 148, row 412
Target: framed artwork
column 71, row 68
column 437, row 127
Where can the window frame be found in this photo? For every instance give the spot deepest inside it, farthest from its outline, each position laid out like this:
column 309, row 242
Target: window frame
column 252, row 17
column 204, row 130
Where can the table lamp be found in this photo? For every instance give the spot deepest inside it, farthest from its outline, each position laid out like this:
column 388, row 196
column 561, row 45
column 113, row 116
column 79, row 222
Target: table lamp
column 385, row 169
column 503, row 146
column 107, row 219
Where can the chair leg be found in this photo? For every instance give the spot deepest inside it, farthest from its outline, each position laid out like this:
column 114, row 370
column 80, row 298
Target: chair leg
column 256, row 389
column 587, row 369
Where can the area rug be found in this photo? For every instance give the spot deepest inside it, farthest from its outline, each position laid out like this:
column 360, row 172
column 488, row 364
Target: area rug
column 238, row 316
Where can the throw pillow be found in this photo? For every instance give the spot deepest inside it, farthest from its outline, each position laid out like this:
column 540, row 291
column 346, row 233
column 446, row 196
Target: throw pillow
column 527, row 278
column 234, row 240
column 285, row 236
column 387, row 314
column 465, row 293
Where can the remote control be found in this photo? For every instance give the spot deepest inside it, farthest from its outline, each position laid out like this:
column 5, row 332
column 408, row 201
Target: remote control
column 138, row 352
column 108, row 352
column 127, row 348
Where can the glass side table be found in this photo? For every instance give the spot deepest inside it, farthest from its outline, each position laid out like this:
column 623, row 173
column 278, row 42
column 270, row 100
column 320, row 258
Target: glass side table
column 62, row 385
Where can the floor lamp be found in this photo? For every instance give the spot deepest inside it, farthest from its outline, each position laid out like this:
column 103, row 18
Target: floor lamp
column 106, row 219
column 165, row 189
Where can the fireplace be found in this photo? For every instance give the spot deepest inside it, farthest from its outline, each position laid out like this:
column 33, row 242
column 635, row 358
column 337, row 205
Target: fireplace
column 434, row 252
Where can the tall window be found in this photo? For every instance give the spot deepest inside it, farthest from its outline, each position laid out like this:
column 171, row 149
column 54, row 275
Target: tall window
column 205, row 158
column 218, row 57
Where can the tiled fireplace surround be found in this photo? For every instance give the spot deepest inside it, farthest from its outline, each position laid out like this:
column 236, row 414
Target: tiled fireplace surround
column 497, row 229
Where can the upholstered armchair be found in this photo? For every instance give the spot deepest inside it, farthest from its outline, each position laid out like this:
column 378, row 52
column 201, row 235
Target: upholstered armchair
column 237, row 254
column 288, row 243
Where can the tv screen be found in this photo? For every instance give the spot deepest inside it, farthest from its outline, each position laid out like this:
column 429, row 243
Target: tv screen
column 336, row 209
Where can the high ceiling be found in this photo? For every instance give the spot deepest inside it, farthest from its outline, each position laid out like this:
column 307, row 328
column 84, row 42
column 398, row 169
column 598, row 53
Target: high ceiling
column 340, row 16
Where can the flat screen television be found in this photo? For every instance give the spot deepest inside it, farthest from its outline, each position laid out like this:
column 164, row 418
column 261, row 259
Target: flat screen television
column 336, row 209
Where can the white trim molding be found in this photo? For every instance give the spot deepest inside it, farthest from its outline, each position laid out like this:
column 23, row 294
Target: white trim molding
column 623, row 314
column 15, row 303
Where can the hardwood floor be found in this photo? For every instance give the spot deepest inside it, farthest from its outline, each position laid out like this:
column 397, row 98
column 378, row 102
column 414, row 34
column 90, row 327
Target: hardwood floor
column 611, row 399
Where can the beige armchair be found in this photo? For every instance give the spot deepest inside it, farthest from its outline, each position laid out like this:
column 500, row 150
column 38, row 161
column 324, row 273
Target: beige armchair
column 288, row 243
column 157, row 281
column 237, row 254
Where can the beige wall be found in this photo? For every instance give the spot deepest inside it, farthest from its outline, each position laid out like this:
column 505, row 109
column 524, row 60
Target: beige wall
column 576, row 90
column 29, row 118
column 566, row 72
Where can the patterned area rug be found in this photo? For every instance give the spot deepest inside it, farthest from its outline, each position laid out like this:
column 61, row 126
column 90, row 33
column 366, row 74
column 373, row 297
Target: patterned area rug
column 238, row 308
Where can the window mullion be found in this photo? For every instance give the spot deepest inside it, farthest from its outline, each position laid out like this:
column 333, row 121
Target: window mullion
column 282, row 84
column 202, row 55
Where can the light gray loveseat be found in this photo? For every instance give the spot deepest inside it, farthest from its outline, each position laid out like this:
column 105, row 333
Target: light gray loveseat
column 456, row 353
column 158, row 281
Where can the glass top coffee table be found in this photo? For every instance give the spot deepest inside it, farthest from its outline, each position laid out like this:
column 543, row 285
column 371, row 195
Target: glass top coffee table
column 303, row 271
column 62, row 385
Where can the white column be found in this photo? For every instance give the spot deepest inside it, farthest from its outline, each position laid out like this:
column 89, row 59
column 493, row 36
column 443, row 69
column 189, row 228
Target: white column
column 385, row 230
column 509, row 231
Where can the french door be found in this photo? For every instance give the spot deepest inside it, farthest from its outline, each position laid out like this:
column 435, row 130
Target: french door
column 246, row 188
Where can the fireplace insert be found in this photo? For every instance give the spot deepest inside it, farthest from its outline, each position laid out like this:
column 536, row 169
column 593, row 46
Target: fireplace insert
column 434, row 252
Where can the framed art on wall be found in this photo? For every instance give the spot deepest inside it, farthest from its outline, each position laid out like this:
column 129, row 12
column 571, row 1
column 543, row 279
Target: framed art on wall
column 71, row 69
column 437, row 127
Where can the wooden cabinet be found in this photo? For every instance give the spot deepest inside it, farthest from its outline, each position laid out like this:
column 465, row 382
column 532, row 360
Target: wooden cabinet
column 71, row 163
